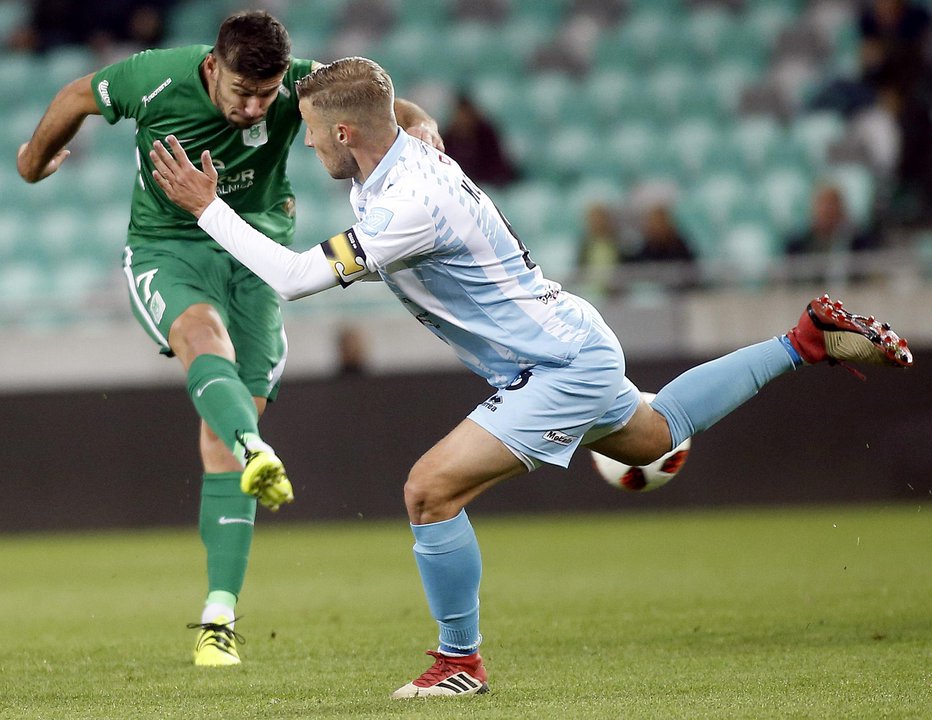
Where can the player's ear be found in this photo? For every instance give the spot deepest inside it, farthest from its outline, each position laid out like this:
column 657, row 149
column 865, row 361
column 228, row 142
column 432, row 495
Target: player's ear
column 343, row 134
column 210, row 65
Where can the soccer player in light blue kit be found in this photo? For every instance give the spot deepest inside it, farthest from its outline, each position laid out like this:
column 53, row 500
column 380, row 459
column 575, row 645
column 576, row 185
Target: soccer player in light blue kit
column 444, row 249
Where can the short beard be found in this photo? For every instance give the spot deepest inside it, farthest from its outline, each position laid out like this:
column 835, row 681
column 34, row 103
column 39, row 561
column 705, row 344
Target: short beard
column 349, row 168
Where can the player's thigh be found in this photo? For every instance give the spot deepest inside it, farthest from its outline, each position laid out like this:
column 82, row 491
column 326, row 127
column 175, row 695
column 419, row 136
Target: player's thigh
column 258, row 334
column 164, row 279
column 641, row 440
column 465, row 463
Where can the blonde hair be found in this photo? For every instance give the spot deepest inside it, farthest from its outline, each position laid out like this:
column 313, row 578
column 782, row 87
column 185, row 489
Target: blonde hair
column 355, row 86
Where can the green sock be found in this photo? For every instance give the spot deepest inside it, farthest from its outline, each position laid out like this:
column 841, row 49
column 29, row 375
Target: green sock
column 226, row 524
column 222, row 400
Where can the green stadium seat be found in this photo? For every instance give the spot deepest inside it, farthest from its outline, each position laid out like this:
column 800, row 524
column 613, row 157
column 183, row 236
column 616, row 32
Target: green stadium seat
column 816, row 132
column 532, row 207
column 64, row 64
column 466, row 47
column 728, row 79
column 634, row 146
column 546, row 97
column 405, row 53
column 13, row 14
column 722, row 194
column 591, row 190
column 651, row 35
column 785, row 192
column 858, row 186
column 755, row 138
column 707, row 28
column 195, row 22
column 748, row 250
column 616, row 96
column 73, row 280
column 555, row 253
column 21, row 283
column 694, row 141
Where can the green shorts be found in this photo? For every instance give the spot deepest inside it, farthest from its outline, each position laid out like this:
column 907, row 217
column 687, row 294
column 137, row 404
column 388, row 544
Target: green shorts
column 167, row 277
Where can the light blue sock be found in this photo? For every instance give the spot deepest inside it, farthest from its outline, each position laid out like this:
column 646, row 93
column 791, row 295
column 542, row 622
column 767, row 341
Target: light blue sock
column 450, row 564
column 702, row 396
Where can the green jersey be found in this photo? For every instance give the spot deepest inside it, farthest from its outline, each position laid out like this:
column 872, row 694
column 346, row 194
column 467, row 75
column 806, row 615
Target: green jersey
column 163, row 92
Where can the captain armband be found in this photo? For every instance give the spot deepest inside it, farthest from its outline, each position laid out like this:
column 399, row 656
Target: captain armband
column 346, row 257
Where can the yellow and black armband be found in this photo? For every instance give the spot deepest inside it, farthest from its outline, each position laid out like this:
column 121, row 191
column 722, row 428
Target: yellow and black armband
column 346, row 257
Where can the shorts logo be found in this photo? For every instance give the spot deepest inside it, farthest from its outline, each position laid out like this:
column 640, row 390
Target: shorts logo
column 520, row 381
column 157, row 306
column 256, row 135
column 493, row 402
column 555, row 436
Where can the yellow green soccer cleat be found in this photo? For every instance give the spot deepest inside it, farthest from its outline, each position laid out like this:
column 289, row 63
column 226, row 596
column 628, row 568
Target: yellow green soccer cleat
column 264, row 477
column 216, row 644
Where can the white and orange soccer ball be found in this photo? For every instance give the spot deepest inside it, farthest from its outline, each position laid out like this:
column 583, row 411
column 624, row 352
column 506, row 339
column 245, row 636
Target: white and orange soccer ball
column 646, row 477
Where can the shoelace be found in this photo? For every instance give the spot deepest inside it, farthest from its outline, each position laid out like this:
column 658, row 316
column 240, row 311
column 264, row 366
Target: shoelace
column 240, row 438
column 442, row 668
column 219, row 628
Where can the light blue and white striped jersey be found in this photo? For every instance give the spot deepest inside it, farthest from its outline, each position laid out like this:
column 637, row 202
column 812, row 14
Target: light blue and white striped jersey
column 451, row 258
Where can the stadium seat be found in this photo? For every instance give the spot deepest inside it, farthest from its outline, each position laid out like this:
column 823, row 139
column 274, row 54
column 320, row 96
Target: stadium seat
column 816, row 132
column 747, row 251
column 707, row 28
column 693, row 142
column 728, row 79
column 756, row 138
column 785, row 192
column 722, row 194
column 21, row 283
column 858, row 186
column 634, row 146
column 530, row 208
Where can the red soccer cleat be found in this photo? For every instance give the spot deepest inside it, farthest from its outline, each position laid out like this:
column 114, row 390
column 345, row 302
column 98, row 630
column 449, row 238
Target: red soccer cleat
column 448, row 677
column 826, row 331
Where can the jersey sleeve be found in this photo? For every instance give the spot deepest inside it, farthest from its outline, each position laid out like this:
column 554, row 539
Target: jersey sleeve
column 291, row 274
column 119, row 88
column 394, row 228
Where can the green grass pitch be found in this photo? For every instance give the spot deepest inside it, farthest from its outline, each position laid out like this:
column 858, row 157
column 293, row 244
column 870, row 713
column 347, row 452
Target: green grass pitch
column 767, row 613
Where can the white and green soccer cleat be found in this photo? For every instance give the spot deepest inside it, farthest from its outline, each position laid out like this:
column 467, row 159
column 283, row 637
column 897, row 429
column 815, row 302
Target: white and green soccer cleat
column 216, row 643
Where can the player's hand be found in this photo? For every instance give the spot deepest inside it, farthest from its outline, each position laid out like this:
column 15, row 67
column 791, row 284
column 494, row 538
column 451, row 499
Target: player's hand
column 22, row 164
column 184, row 184
column 428, row 133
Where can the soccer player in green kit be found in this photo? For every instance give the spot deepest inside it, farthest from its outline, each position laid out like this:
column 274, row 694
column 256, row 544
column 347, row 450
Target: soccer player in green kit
column 198, row 303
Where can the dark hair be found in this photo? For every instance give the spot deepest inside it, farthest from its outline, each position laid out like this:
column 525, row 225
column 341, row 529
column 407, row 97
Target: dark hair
column 253, row 44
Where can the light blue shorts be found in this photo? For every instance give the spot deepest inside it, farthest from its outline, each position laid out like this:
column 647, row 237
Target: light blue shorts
column 548, row 411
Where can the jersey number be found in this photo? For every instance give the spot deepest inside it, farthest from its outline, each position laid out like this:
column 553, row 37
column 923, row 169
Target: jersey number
column 473, row 192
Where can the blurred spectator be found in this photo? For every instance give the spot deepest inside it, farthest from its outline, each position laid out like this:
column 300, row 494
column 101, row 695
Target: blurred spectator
column 100, row 24
column 660, row 238
column 889, row 102
column 830, row 239
column 472, row 140
column 352, row 355
column 599, row 250
column 830, row 228
column 893, row 36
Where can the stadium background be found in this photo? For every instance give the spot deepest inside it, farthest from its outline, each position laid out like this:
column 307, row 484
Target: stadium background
column 597, row 101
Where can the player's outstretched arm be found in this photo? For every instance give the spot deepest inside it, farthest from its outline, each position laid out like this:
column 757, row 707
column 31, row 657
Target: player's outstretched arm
column 45, row 152
column 417, row 123
column 292, row 275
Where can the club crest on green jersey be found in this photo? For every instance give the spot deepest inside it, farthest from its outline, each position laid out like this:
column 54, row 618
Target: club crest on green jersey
column 256, row 135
